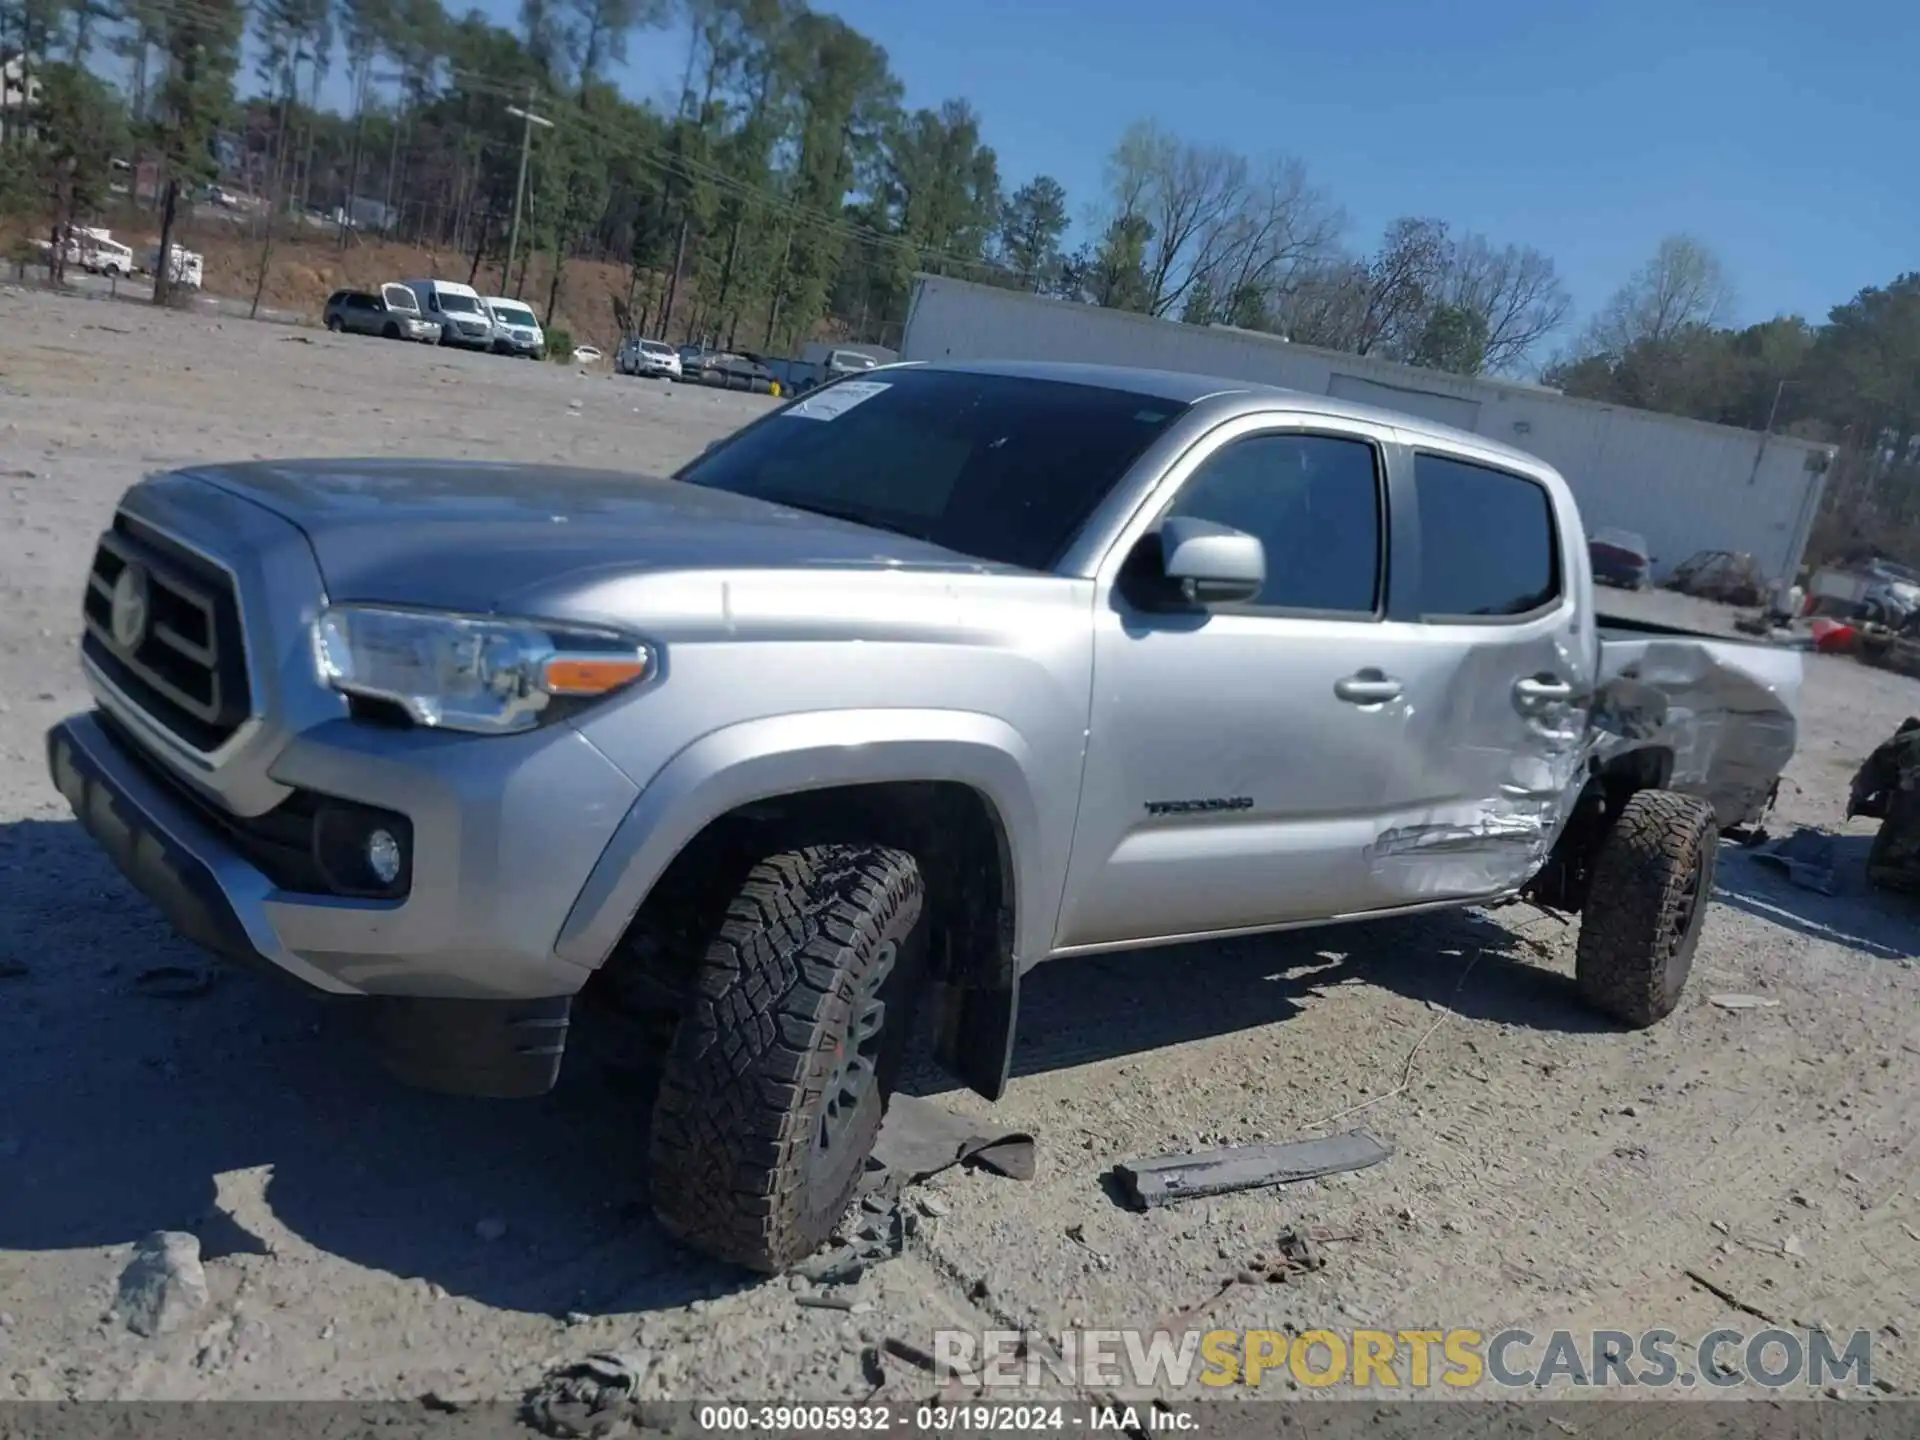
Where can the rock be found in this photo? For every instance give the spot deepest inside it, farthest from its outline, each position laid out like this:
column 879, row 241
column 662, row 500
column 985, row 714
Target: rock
column 492, row 1228
column 163, row 1285
column 6, row 1322
column 1792, row 1246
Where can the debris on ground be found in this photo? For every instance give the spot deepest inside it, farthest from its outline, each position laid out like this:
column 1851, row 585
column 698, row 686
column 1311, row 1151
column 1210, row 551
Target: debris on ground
column 1743, row 1002
column 1293, row 1255
column 1806, row 857
column 917, row 1141
column 881, row 1231
column 176, row 982
column 490, row 1229
column 163, row 1285
column 591, row 1397
column 1162, row 1181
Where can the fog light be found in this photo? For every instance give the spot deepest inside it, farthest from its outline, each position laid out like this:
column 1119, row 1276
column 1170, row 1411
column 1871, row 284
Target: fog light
column 363, row 851
column 383, row 856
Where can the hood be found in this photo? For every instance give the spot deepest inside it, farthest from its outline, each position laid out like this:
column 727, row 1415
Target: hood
column 466, row 535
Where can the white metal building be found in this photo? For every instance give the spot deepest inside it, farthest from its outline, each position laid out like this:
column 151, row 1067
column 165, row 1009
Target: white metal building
column 1684, row 485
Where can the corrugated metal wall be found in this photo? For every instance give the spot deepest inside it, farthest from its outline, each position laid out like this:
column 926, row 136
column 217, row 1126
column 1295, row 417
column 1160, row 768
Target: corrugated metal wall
column 1684, row 485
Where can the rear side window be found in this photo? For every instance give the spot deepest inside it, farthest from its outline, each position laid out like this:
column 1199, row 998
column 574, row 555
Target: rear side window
column 1487, row 543
column 1313, row 502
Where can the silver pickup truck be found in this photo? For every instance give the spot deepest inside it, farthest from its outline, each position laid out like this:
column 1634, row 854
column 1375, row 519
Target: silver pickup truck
column 937, row 673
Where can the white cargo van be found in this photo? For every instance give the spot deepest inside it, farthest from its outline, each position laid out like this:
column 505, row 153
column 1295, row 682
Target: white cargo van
column 458, row 310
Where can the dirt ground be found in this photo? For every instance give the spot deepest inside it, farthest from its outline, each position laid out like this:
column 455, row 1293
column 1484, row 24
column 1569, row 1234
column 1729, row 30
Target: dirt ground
column 1547, row 1172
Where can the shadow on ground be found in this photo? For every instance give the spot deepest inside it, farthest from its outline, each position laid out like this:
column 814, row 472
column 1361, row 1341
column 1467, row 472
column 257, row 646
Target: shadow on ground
column 1856, row 916
column 120, row 1112
column 1077, row 1011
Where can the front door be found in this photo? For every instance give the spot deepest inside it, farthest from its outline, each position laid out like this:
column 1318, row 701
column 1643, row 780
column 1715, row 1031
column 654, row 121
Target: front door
column 1240, row 759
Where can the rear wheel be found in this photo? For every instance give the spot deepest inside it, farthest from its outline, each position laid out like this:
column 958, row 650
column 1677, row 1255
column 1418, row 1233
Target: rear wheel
column 1652, row 881
column 782, row 1062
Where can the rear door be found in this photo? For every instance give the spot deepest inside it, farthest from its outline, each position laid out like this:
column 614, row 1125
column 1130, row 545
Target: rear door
column 1496, row 684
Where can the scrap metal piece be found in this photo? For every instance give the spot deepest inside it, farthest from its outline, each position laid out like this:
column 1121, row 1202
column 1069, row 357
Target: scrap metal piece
column 1169, row 1178
column 1806, row 856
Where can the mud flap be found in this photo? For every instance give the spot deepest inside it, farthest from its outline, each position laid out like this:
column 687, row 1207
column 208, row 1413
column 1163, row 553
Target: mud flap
column 973, row 1033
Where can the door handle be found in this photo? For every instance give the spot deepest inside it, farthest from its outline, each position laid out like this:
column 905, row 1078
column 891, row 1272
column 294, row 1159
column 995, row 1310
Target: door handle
column 1540, row 689
column 1367, row 687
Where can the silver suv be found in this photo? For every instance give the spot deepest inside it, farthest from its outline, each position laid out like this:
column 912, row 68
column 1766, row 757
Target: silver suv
column 917, row 682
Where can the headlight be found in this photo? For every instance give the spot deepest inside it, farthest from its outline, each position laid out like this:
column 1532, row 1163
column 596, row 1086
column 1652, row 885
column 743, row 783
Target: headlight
column 462, row 672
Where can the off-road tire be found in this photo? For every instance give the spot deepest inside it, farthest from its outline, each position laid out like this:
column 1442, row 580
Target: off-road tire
column 812, row 940
column 1652, row 882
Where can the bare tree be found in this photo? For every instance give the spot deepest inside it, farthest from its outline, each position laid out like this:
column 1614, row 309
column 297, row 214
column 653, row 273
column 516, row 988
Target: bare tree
column 1282, row 224
column 1682, row 286
column 1514, row 291
column 1402, row 283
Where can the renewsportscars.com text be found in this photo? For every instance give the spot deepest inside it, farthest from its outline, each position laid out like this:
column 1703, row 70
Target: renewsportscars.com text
column 1410, row 1360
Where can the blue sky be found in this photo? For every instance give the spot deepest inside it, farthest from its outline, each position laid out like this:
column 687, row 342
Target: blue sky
column 1781, row 134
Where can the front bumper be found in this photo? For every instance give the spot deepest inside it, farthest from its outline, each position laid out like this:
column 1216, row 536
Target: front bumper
column 459, row 979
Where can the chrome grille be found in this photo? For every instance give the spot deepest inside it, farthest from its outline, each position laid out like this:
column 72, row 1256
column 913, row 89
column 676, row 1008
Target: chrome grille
column 187, row 668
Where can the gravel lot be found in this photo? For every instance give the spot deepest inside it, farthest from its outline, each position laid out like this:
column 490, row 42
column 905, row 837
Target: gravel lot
column 1548, row 1171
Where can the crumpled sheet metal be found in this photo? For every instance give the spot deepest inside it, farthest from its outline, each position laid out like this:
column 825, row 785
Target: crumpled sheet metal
column 1486, row 847
column 1726, row 712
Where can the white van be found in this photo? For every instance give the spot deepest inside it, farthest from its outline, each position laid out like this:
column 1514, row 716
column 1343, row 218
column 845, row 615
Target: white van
column 458, row 310
column 186, row 268
column 104, row 256
column 515, row 330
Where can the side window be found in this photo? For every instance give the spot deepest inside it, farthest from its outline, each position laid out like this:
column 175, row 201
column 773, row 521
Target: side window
column 1313, row 501
column 1487, row 542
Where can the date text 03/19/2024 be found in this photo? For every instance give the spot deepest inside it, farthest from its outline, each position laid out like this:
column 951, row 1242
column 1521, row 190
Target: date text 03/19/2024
column 939, row 1419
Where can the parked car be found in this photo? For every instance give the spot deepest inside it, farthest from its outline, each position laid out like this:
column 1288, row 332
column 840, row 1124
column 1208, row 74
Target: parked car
column 910, row 686
column 1620, row 558
column 1725, row 575
column 458, row 310
column 361, row 312
column 403, row 309
column 647, row 358
column 834, row 362
column 515, row 329
column 735, row 371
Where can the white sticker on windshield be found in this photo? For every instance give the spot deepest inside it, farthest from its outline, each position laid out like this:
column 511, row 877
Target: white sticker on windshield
column 832, row 404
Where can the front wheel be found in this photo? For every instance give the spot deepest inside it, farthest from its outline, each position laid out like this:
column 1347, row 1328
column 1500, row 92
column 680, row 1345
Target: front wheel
column 783, row 1059
column 333, row 324
column 1652, row 881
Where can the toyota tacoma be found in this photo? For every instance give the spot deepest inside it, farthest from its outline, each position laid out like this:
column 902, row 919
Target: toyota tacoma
column 935, row 674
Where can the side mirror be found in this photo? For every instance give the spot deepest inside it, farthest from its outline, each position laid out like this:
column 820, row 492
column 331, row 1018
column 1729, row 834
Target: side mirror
column 1211, row 564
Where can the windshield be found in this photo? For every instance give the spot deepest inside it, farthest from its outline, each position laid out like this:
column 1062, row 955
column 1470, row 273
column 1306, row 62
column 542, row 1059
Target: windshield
column 1000, row 468
column 461, row 303
column 852, row 360
column 654, row 347
column 513, row 314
